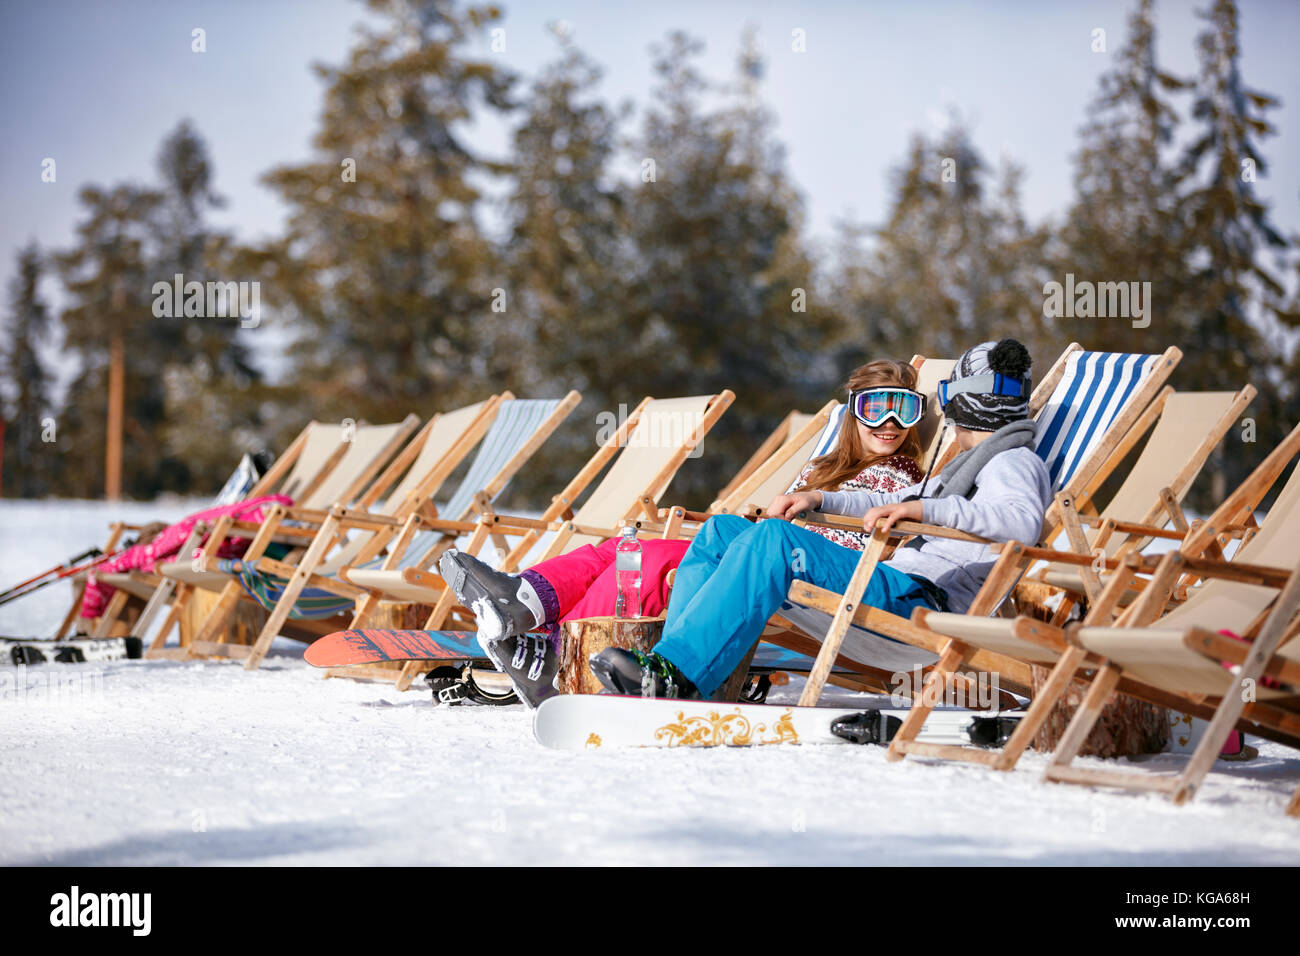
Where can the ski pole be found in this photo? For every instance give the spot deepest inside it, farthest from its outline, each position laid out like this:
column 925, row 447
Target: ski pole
column 55, row 574
column 89, row 553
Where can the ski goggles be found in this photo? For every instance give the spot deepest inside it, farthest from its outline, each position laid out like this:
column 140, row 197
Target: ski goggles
column 875, row 406
column 992, row 383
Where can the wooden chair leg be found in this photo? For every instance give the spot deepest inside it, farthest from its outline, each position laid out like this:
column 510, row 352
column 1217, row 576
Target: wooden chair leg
column 843, row 618
column 954, row 652
column 320, row 546
column 1084, row 718
column 216, row 619
column 69, row 619
column 735, row 684
column 173, row 615
column 104, row 625
column 1041, row 708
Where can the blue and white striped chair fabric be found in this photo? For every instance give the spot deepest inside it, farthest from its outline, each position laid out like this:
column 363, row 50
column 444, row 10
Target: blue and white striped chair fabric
column 1094, row 390
column 517, row 420
column 826, row 440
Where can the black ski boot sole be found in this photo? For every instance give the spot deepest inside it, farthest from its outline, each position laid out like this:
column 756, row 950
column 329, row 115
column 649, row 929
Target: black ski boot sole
column 991, row 731
column 612, row 678
column 868, row 727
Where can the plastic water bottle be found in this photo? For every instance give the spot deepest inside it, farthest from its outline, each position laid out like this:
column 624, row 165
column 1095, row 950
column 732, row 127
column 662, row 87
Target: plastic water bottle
column 627, row 570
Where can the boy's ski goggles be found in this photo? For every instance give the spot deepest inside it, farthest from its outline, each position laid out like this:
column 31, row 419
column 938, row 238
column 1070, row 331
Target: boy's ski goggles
column 991, row 383
column 874, row 406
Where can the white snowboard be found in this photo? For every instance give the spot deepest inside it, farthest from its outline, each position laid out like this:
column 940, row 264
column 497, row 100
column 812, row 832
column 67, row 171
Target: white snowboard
column 600, row 722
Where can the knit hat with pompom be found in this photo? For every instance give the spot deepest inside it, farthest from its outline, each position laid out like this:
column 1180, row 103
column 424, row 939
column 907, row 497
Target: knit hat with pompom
column 989, row 412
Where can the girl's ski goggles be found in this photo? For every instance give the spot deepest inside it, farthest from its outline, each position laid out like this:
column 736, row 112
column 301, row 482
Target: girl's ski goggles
column 874, row 406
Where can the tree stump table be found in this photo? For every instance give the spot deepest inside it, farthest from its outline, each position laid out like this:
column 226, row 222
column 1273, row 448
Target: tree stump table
column 591, row 635
column 1126, row 727
column 242, row 626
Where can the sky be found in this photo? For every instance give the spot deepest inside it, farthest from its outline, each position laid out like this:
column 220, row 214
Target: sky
column 96, row 85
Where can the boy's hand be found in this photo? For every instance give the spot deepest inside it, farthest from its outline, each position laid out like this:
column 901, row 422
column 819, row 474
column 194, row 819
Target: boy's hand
column 885, row 516
column 788, row 507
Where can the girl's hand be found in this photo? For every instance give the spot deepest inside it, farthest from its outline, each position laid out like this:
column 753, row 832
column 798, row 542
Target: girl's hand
column 788, row 507
column 885, row 516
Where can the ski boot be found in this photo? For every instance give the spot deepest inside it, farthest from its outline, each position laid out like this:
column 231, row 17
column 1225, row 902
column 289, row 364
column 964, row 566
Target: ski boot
column 504, row 605
column 639, row 674
column 530, row 663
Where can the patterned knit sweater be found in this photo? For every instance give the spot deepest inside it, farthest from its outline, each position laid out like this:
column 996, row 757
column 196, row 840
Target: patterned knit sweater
column 892, row 474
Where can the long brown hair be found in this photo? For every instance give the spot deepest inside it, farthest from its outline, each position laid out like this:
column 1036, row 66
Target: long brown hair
column 848, row 458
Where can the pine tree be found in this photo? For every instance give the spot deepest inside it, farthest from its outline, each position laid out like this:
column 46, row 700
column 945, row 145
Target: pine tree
column 385, row 266
column 564, row 250
column 209, row 379
column 719, row 274
column 566, row 257
column 27, row 456
column 954, row 264
column 1235, row 300
column 1125, row 224
column 108, row 278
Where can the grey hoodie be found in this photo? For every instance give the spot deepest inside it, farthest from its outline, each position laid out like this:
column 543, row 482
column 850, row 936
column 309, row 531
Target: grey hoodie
column 1012, row 492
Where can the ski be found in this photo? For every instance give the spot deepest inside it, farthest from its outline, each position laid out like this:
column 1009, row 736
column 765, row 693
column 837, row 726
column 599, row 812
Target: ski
column 31, row 650
column 604, row 722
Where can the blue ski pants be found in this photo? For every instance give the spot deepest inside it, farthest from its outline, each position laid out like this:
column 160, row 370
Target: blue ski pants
column 737, row 573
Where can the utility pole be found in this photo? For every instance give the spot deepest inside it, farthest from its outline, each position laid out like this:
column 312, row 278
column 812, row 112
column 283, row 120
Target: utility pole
column 116, row 399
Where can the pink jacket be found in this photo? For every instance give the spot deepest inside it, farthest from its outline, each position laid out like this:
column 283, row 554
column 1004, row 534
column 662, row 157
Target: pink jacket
column 145, row 557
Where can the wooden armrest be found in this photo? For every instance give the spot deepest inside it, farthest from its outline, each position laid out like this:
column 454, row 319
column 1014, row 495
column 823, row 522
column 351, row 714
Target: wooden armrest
column 687, row 514
column 447, row 525
column 1260, row 574
column 1219, row 647
column 826, row 520
column 1054, row 556
column 498, row 522
column 1135, row 528
column 363, row 519
column 284, row 532
column 900, row 529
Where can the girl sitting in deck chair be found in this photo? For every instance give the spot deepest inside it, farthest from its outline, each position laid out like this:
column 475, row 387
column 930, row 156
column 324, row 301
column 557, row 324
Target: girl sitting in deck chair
column 879, row 455
column 737, row 574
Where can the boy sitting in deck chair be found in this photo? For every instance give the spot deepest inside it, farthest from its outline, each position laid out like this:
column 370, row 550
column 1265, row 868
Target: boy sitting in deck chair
column 736, row 573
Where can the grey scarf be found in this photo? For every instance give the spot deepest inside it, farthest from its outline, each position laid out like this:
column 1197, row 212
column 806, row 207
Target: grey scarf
column 960, row 473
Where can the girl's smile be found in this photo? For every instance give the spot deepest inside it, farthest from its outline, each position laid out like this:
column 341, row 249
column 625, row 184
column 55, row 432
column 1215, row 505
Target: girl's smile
column 882, row 440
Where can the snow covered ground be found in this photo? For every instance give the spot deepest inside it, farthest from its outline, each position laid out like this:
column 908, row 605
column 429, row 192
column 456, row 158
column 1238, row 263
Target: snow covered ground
column 159, row 762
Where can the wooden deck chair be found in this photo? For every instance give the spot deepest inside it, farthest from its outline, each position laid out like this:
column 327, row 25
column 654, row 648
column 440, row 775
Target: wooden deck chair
column 1216, row 604
column 1181, row 652
column 365, row 450
column 646, row 452
column 300, row 473
column 1087, row 401
column 328, row 535
column 345, row 534
column 1188, row 426
column 507, row 433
